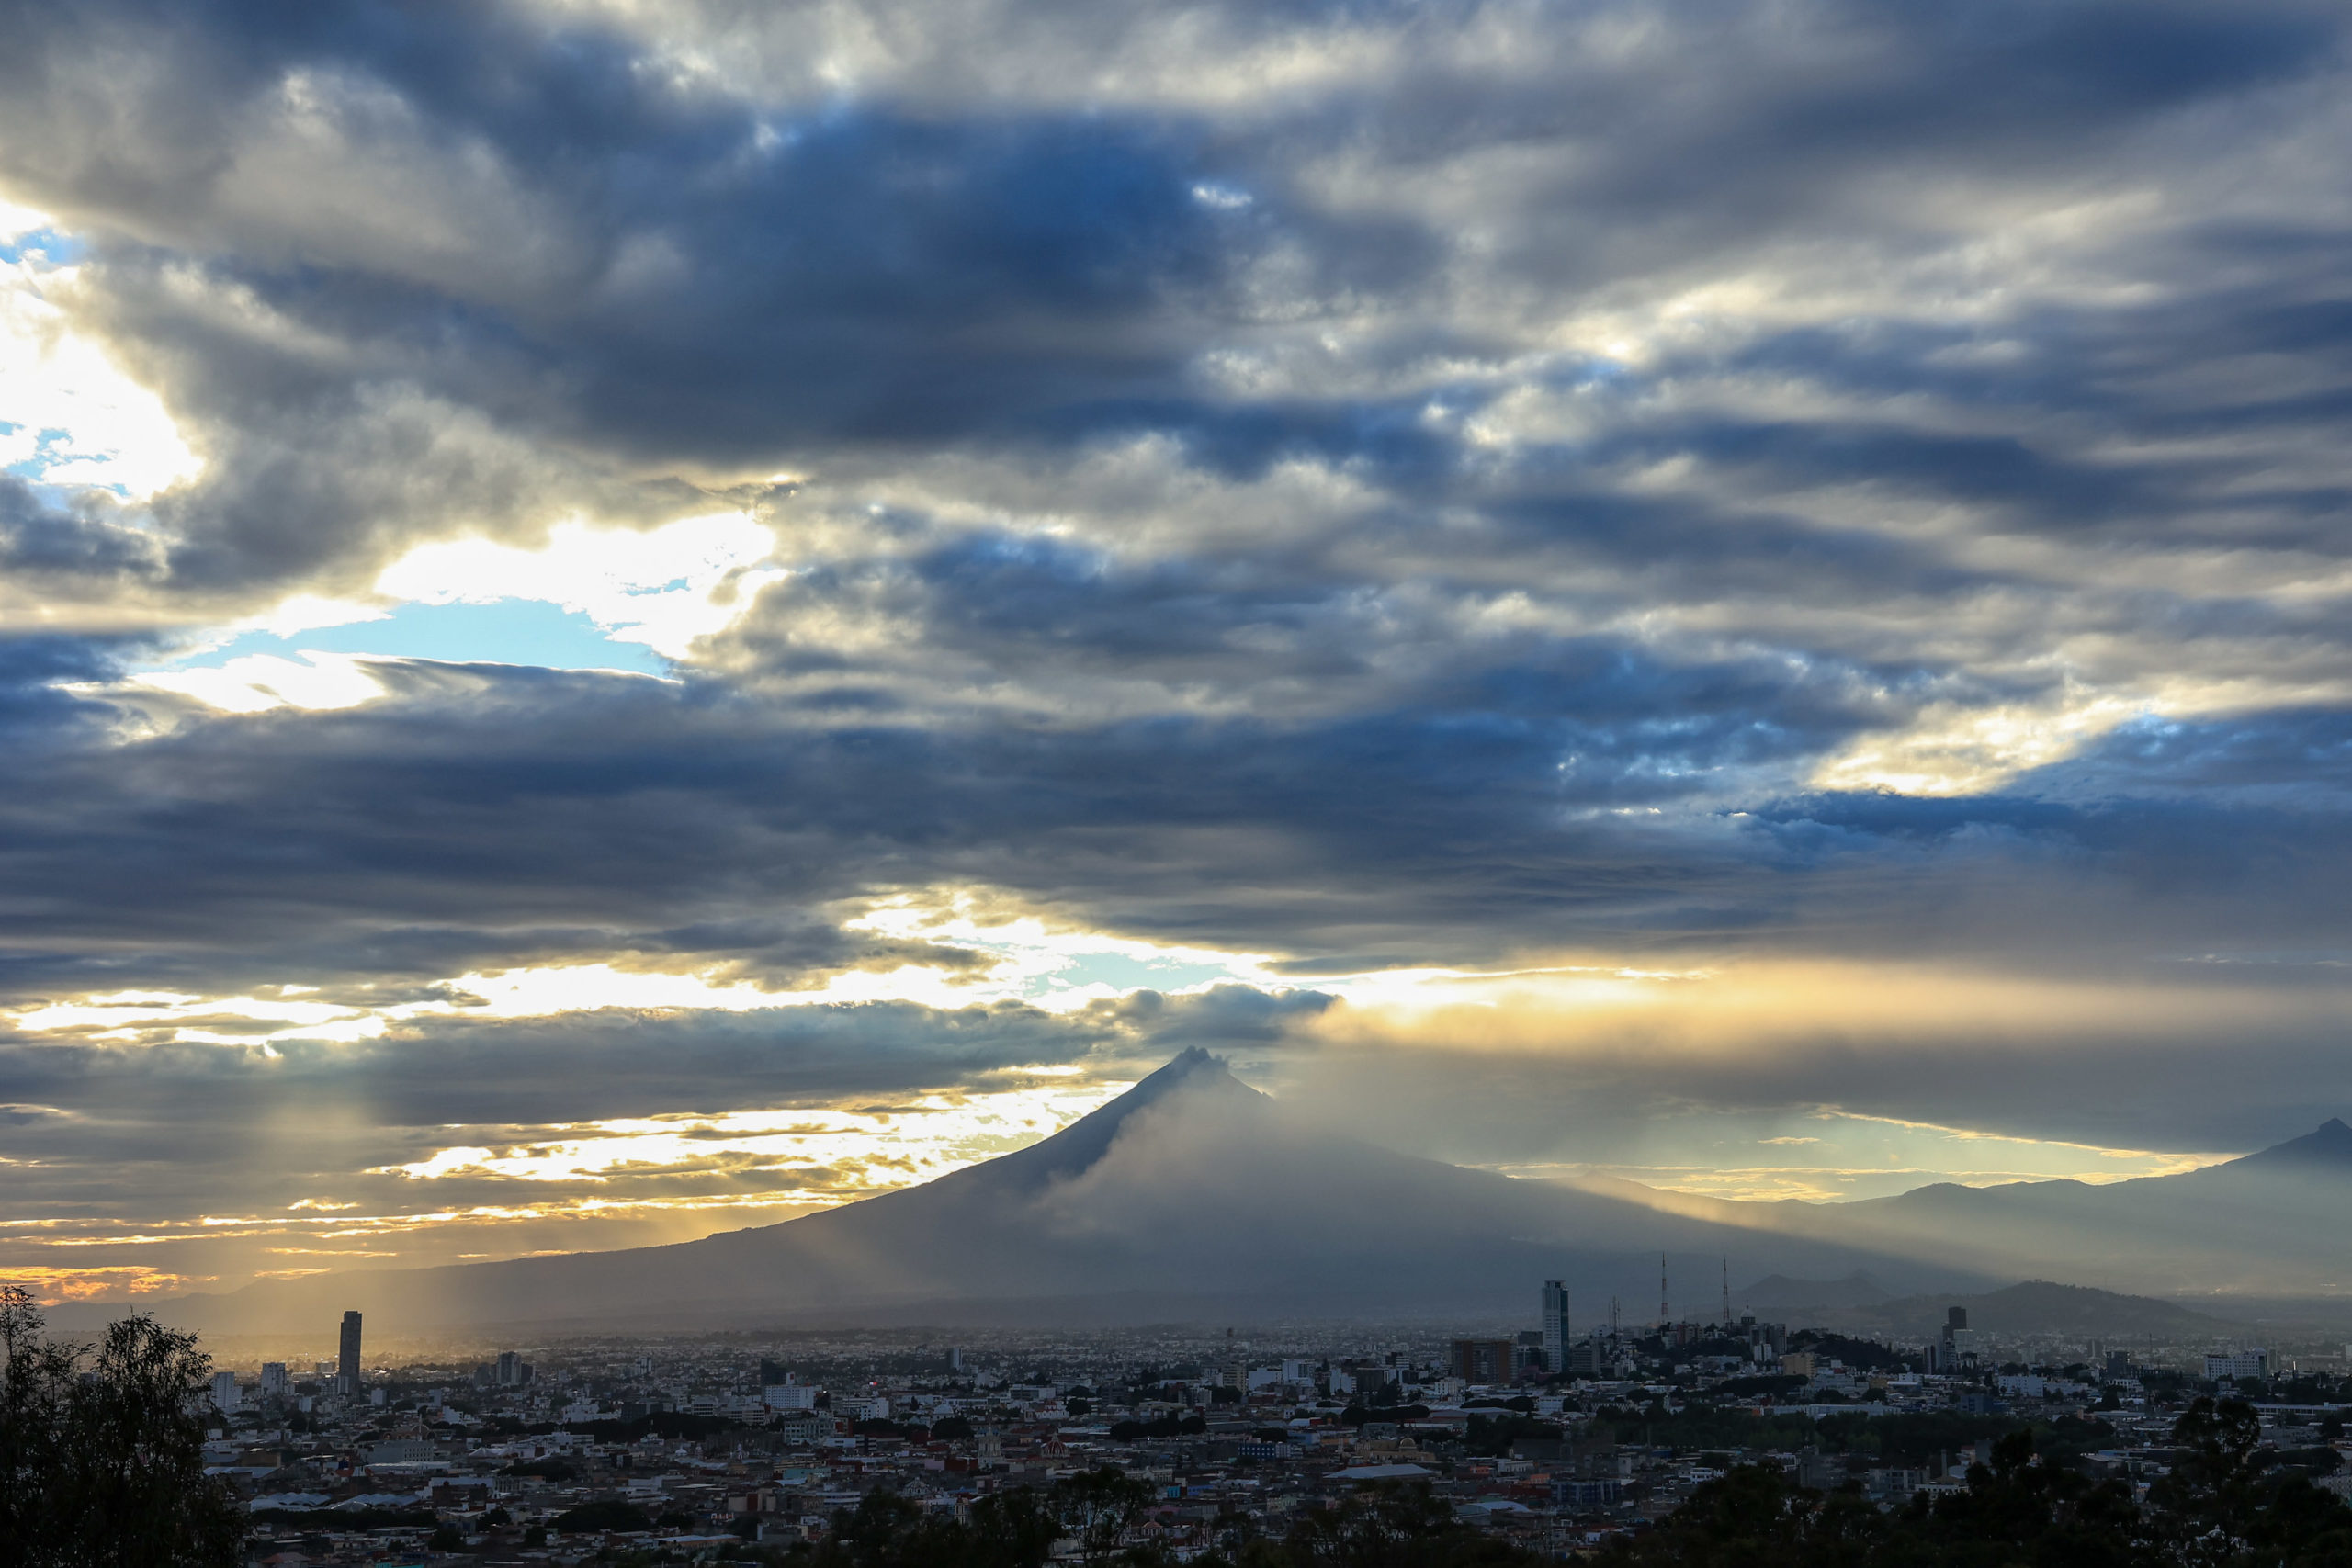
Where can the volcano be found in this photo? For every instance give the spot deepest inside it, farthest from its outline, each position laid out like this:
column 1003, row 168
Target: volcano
column 1192, row 1196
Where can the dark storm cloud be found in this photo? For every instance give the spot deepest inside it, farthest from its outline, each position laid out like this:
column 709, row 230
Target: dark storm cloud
column 59, row 545
column 623, row 259
column 581, row 1066
column 1373, row 485
column 495, row 817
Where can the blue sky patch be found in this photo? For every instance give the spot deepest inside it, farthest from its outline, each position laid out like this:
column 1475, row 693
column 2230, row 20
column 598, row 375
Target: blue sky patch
column 506, row 631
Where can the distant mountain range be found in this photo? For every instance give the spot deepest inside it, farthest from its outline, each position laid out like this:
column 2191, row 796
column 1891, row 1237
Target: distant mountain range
column 1195, row 1198
column 1857, row 1305
column 2271, row 1224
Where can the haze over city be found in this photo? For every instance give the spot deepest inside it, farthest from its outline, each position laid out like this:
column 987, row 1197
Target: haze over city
column 625, row 623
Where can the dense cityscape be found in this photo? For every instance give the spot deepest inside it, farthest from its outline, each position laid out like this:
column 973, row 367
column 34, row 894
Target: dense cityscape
column 740, row 1448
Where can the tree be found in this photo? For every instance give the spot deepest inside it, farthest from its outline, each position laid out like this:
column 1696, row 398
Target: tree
column 2226, row 1505
column 1754, row 1517
column 1386, row 1527
column 603, row 1514
column 1098, row 1508
column 102, row 1466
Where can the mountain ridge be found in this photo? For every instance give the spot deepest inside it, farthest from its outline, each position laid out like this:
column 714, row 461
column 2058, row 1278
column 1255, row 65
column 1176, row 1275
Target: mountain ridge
column 1193, row 1186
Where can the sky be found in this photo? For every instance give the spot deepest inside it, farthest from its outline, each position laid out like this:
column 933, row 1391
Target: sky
column 621, row 620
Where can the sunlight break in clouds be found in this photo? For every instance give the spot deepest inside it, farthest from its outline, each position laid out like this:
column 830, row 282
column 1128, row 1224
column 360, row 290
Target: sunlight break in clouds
column 1057, row 970
column 859, row 1152
column 68, row 414
column 662, row 587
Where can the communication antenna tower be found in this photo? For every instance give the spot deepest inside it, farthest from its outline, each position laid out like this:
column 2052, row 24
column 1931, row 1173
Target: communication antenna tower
column 1726, row 1292
column 1665, row 1313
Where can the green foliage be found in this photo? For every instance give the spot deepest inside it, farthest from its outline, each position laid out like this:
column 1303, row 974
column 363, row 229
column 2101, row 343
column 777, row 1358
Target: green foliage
column 2029, row 1508
column 1697, row 1427
column 1386, row 1527
column 102, row 1450
column 604, row 1514
column 1013, row 1529
column 1867, row 1354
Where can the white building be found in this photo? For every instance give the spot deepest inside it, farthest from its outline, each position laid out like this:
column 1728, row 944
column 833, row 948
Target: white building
column 2238, row 1366
column 1555, row 1322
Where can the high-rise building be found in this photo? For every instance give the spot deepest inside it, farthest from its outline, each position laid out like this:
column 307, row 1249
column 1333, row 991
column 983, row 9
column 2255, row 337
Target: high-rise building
column 1554, row 1322
column 1958, row 1346
column 224, row 1392
column 273, row 1383
column 1483, row 1361
column 347, row 1371
column 513, row 1371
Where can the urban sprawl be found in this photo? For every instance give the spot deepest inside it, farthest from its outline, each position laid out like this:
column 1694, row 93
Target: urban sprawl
column 718, row 1448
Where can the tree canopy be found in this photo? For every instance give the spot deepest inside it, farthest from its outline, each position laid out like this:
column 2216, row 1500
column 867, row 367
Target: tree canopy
column 2219, row 1506
column 102, row 1449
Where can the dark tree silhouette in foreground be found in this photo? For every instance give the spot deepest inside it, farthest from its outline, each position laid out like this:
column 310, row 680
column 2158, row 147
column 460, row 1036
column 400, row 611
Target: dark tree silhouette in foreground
column 2224, row 1504
column 106, row 1469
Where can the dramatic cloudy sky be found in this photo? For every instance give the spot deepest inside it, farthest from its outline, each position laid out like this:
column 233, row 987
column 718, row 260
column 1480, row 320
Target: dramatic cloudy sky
column 619, row 618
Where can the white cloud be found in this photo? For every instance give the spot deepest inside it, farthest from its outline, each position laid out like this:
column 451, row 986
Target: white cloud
column 927, row 1138
column 258, row 681
column 661, row 587
column 75, row 418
